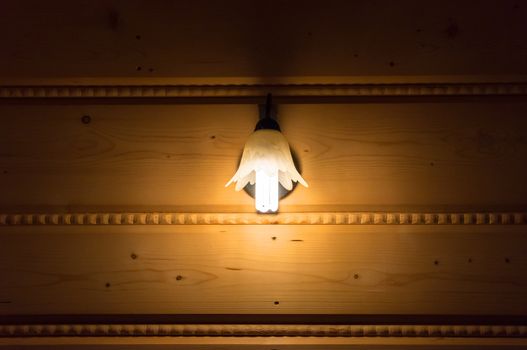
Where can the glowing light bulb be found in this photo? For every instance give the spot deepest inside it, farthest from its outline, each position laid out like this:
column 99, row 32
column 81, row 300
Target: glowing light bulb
column 266, row 194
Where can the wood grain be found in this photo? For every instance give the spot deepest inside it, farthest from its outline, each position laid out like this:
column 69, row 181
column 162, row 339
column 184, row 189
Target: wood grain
column 150, row 40
column 402, row 156
column 415, row 270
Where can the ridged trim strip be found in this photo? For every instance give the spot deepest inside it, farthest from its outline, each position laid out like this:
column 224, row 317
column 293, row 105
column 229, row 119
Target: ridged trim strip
column 234, row 330
column 247, row 90
column 320, row 218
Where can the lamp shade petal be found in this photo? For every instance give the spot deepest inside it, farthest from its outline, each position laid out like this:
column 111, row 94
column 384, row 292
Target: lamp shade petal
column 267, row 151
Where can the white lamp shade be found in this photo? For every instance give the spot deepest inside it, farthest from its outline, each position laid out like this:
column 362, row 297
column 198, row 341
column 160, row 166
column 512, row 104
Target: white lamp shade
column 267, row 151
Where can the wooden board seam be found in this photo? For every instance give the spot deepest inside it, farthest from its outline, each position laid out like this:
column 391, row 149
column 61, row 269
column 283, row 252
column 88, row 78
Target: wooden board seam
column 236, row 330
column 319, row 218
column 248, row 90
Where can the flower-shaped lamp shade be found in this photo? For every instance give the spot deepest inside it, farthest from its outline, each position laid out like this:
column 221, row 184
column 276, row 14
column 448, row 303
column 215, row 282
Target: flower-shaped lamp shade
column 266, row 161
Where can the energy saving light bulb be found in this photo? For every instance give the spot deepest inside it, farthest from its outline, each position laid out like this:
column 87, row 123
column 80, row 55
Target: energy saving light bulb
column 266, row 194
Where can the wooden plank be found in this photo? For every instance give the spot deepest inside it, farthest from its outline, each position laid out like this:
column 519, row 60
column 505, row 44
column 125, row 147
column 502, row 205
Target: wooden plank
column 178, row 157
column 370, row 270
column 153, row 40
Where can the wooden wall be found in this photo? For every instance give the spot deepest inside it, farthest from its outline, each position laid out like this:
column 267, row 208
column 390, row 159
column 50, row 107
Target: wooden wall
column 114, row 211
column 121, row 122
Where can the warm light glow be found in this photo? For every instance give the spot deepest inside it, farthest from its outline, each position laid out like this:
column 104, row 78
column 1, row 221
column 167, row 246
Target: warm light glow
column 266, row 161
column 266, row 194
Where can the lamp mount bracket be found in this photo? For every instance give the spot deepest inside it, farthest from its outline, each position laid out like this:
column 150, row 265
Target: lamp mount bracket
column 268, row 115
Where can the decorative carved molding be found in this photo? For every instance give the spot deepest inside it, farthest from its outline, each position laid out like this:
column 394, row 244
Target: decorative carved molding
column 247, row 90
column 237, row 330
column 322, row 218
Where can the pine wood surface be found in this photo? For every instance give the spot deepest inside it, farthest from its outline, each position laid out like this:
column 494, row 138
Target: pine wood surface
column 155, row 40
column 126, row 214
column 222, row 269
column 432, row 156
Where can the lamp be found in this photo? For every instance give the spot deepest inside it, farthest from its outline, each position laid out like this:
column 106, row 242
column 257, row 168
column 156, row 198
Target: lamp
column 266, row 162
